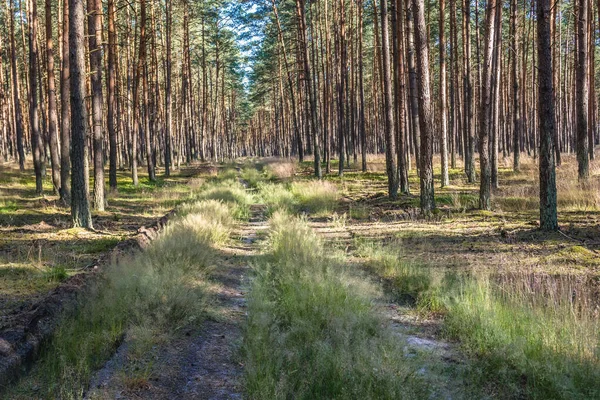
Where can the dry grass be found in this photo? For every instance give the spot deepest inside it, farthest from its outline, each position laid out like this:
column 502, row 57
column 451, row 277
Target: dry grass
column 519, row 191
column 278, row 168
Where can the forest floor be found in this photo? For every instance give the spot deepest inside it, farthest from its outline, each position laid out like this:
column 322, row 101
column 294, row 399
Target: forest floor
column 448, row 348
column 39, row 249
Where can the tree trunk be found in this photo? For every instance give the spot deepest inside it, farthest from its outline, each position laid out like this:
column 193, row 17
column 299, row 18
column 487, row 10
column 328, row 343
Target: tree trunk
column 442, row 111
column 168, row 103
column 468, row 124
column 52, row 111
column 37, row 143
column 80, row 209
column 15, row 90
column 425, row 113
column 515, row 84
column 582, row 89
column 548, row 216
column 65, row 109
column 95, row 40
column 390, row 135
column 485, row 115
column 314, row 126
column 111, row 86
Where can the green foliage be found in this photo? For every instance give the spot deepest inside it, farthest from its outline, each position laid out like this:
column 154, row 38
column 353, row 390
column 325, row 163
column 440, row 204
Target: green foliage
column 232, row 193
column 277, row 197
column 316, row 197
column 526, row 342
column 143, row 298
column 312, row 331
column 409, row 281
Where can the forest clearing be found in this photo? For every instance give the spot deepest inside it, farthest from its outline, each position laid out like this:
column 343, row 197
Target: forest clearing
column 332, row 199
column 265, row 283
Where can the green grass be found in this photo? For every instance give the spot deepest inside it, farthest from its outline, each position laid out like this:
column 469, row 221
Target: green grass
column 528, row 336
column 143, row 300
column 312, row 331
column 230, row 192
column 317, row 198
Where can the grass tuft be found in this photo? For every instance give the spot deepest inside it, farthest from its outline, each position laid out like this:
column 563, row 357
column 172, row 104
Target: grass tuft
column 316, row 197
column 530, row 336
column 312, row 331
column 143, row 300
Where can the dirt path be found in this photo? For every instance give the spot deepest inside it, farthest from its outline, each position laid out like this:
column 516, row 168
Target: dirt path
column 201, row 364
column 439, row 362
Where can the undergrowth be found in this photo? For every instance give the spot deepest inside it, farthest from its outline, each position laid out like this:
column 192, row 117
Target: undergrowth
column 312, row 331
column 143, row 299
column 529, row 336
column 317, row 198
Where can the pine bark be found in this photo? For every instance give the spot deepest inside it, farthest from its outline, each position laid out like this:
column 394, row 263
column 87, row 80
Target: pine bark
column 485, row 114
column 65, row 111
column 94, row 12
column 80, row 208
column 425, row 111
column 18, row 112
column 445, row 180
column 52, row 106
column 37, row 144
column 111, row 83
column 582, row 89
column 390, row 134
column 547, row 121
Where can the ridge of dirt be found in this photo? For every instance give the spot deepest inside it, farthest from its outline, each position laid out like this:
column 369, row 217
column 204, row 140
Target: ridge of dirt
column 202, row 363
column 28, row 327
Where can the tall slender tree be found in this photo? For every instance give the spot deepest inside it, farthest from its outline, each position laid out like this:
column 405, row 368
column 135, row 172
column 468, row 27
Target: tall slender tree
column 65, row 111
column 18, row 113
column 485, row 113
column 51, row 96
column 111, row 82
column 390, row 134
column 425, row 112
column 548, row 214
column 94, row 13
column 80, row 208
column 515, row 78
column 37, row 144
column 582, row 88
column 445, row 180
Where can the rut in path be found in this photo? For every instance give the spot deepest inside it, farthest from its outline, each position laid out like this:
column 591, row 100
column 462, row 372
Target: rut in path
column 204, row 363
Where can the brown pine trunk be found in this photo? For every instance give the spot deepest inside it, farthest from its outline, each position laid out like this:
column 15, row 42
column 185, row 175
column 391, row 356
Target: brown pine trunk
column 111, row 93
column 18, row 113
column 442, row 111
column 425, row 112
column 548, row 215
column 412, row 86
column 485, row 113
column 582, row 88
column 168, row 102
column 517, row 129
column 361, row 89
column 390, row 134
column 37, row 143
column 468, row 124
column 80, row 209
column 52, row 111
column 397, row 20
column 94, row 13
column 142, row 70
column 65, row 108
column 314, row 125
